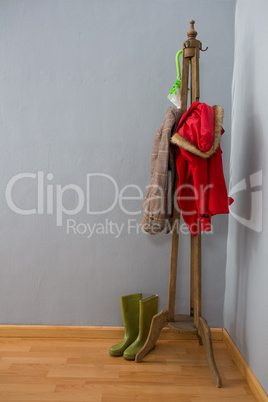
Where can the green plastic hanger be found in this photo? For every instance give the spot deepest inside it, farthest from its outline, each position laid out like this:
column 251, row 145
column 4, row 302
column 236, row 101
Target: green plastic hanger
column 178, row 64
column 175, row 92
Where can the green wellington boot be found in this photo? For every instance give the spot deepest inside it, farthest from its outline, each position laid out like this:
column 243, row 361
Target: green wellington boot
column 148, row 308
column 130, row 314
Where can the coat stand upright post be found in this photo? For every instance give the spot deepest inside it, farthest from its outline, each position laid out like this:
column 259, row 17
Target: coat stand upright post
column 193, row 323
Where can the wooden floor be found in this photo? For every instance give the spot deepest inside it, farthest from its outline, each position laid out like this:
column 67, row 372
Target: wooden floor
column 81, row 370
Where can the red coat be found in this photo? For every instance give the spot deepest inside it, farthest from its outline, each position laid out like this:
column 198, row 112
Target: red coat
column 201, row 186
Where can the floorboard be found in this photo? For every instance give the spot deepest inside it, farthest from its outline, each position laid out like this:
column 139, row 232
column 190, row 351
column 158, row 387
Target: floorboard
column 78, row 370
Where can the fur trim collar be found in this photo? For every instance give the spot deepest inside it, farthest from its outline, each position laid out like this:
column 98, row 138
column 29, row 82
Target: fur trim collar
column 188, row 146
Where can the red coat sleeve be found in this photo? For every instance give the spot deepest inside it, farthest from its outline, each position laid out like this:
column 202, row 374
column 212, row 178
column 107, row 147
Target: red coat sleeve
column 218, row 200
column 193, row 192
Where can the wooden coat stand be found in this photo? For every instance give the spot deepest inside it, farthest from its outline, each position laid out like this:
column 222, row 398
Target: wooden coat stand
column 194, row 323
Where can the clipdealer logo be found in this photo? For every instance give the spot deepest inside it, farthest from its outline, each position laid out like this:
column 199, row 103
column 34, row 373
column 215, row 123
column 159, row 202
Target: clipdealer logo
column 50, row 197
column 254, row 189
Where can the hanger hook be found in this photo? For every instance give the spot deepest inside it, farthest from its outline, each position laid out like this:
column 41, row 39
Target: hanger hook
column 203, row 50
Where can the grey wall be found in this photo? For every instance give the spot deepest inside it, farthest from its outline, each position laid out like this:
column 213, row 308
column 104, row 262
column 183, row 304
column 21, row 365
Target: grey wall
column 83, row 90
column 246, row 302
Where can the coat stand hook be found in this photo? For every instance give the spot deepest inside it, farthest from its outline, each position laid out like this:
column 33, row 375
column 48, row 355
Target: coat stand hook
column 203, row 50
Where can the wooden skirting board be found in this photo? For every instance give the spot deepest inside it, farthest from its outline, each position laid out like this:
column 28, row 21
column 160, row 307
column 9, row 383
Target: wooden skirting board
column 99, row 332
column 241, row 363
column 90, row 332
